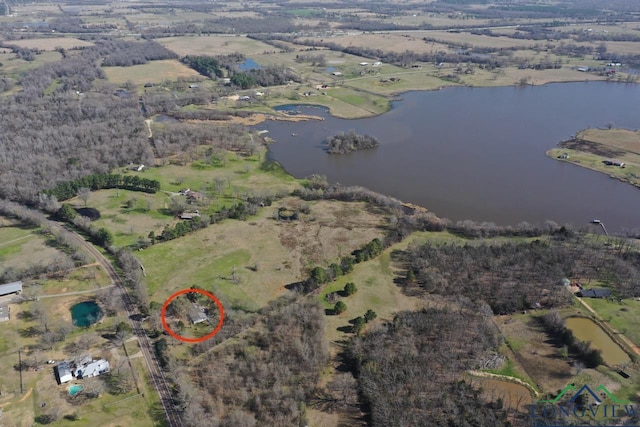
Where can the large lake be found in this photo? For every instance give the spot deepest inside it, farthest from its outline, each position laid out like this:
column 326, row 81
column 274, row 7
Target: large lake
column 478, row 153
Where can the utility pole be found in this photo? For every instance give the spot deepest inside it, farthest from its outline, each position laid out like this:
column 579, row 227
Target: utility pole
column 20, row 370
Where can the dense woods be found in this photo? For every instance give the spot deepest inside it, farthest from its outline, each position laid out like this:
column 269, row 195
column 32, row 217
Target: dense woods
column 409, row 370
column 77, row 128
column 519, row 276
column 265, row 377
column 346, row 142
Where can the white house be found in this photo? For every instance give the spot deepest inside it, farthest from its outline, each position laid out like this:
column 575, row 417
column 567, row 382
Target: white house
column 93, row 369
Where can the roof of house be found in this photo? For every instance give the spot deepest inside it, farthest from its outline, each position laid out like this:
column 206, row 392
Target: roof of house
column 93, row 369
column 63, row 372
column 595, row 293
column 4, row 312
column 196, row 315
column 10, row 288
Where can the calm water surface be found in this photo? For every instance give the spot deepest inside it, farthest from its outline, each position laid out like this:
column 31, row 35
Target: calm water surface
column 587, row 330
column 478, row 153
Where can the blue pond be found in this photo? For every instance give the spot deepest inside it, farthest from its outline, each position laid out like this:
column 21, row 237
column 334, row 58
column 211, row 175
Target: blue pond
column 85, row 314
column 248, row 64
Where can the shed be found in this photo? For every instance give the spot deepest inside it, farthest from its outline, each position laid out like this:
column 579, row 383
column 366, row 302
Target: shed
column 11, row 288
column 4, row 313
column 595, row 293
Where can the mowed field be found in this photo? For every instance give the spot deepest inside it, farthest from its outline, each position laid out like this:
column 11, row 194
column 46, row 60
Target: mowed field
column 390, row 42
column 51, row 43
column 22, row 247
column 153, row 72
column 215, row 45
column 623, row 139
column 248, row 263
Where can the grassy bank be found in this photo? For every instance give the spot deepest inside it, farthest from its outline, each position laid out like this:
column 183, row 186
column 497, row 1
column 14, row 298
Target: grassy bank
column 590, row 148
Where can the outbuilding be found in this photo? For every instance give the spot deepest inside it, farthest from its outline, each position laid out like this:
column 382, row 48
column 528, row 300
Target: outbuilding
column 11, row 288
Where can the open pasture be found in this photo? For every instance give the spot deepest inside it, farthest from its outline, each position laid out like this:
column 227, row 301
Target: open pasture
column 154, row 72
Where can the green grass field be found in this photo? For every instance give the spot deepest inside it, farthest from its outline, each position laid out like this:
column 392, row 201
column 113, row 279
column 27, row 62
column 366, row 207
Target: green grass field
column 23, row 247
column 623, row 316
column 151, row 72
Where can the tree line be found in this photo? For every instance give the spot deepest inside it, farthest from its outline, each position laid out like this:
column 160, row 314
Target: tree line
column 100, row 181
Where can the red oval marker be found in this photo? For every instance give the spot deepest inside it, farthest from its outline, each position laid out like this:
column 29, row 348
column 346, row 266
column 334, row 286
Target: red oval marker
column 165, row 325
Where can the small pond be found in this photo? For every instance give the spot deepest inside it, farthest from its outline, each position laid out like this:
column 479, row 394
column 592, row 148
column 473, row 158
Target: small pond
column 513, row 395
column 85, row 314
column 248, row 64
column 75, row 389
column 587, row 330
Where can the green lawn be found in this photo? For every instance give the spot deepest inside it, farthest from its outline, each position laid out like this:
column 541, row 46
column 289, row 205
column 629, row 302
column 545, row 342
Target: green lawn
column 623, row 316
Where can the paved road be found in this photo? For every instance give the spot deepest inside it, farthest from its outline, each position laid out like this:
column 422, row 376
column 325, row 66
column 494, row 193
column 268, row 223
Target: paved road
column 157, row 376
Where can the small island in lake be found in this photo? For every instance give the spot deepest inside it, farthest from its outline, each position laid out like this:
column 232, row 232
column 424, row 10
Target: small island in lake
column 346, row 142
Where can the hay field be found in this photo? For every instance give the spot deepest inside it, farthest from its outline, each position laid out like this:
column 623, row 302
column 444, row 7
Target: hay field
column 154, row 72
column 51, row 43
column 214, row 45
column 248, row 263
column 23, row 247
column 390, row 42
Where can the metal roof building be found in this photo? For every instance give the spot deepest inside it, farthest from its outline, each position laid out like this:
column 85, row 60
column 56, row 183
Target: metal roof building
column 10, row 288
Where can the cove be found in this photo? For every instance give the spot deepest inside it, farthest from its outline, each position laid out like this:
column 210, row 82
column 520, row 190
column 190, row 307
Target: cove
column 478, row 153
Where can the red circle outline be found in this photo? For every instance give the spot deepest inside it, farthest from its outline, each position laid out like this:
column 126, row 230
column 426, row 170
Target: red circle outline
column 163, row 314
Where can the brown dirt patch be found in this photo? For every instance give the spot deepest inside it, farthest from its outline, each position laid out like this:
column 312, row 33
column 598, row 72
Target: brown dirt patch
column 591, row 147
column 535, row 352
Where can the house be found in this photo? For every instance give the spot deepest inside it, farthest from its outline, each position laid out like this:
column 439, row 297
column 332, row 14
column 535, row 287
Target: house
column 364, row 63
column 189, row 215
column 148, row 85
column 11, row 288
column 563, row 156
column 336, row 73
column 193, row 86
column 609, row 162
column 594, row 293
column 245, row 98
column 4, row 313
column 63, row 372
column 195, row 196
column 196, row 315
column 583, row 69
column 377, row 64
column 137, row 168
column 92, row 369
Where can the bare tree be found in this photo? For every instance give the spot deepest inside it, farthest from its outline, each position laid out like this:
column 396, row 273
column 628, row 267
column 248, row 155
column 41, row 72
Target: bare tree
column 83, row 194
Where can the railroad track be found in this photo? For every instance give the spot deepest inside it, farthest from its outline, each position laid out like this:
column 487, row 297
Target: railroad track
column 156, row 374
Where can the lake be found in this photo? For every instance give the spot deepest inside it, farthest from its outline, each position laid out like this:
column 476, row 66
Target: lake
column 478, row 153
